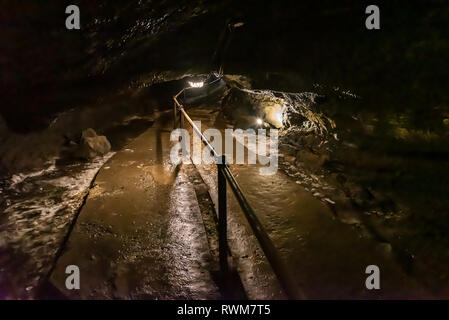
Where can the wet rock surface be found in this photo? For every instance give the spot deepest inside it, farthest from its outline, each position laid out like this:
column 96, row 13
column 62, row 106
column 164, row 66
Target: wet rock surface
column 37, row 212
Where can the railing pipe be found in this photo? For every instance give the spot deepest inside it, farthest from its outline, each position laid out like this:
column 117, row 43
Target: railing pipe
column 222, row 217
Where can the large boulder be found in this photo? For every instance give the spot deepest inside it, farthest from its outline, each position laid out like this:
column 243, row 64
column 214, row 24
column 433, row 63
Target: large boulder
column 93, row 145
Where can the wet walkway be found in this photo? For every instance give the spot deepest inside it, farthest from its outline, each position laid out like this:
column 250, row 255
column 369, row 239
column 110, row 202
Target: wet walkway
column 327, row 257
column 140, row 233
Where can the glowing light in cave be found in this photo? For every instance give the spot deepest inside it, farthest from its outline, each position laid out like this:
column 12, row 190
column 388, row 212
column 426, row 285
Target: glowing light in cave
column 279, row 117
column 196, row 84
column 259, row 121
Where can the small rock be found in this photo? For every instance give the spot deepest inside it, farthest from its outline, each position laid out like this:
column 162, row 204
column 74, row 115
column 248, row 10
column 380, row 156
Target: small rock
column 92, row 145
column 290, row 159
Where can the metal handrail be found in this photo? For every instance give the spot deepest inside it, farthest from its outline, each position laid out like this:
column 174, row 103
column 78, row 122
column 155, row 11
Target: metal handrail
column 225, row 174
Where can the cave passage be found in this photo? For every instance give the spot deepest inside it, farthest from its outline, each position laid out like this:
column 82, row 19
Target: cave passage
column 334, row 118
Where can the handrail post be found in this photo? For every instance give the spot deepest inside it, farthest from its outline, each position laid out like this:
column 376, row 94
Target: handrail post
column 174, row 115
column 181, row 120
column 222, row 216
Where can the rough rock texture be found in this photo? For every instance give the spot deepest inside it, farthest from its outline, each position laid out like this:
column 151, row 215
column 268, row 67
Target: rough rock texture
column 279, row 109
column 308, row 141
column 93, row 145
column 20, row 152
column 253, row 104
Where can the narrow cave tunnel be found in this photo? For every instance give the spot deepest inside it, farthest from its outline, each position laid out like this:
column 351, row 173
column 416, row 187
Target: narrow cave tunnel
column 333, row 118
